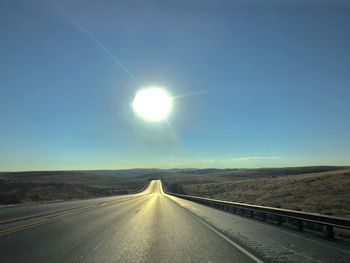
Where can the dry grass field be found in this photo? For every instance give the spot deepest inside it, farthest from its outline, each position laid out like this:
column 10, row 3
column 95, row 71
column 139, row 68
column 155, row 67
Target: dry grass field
column 325, row 193
column 319, row 190
column 33, row 187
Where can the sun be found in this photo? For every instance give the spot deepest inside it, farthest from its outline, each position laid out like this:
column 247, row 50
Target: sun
column 152, row 104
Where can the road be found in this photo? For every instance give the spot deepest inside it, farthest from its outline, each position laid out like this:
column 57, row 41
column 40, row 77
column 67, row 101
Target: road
column 150, row 227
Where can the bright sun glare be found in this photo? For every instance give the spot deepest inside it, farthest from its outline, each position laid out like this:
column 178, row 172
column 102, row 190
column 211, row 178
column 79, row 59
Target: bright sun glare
column 152, row 104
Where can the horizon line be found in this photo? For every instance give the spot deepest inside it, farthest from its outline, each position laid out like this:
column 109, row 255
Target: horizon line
column 173, row 168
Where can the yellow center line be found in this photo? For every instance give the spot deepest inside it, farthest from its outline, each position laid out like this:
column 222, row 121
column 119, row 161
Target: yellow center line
column 60, row 216
column 10, row 220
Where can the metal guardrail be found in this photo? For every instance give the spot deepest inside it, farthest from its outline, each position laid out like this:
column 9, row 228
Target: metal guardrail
column 278, row 215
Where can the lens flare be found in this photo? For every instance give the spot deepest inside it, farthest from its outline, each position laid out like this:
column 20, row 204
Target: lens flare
column 152, row 104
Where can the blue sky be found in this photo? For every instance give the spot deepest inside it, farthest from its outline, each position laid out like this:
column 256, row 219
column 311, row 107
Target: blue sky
column 267, row 83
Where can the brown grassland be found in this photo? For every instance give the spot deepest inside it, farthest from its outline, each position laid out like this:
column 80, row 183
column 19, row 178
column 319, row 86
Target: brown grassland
column 35, row 187
column 320, row 190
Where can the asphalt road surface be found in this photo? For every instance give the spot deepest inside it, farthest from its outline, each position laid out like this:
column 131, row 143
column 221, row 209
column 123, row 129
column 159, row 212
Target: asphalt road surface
column 150, row 227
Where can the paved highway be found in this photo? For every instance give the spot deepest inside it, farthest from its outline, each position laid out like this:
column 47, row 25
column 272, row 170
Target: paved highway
column 150, row 227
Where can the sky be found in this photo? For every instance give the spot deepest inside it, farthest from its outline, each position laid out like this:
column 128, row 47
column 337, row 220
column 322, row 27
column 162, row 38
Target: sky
column 255, row 83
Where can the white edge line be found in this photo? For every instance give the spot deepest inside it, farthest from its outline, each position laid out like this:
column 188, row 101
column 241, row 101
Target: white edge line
column 214, row 230
column 229, row 240
column 217, row 232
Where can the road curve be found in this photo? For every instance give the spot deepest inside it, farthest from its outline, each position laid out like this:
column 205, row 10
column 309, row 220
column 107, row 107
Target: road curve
column 146, row 227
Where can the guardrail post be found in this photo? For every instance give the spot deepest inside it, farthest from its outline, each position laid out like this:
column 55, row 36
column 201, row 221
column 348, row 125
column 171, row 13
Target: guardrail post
column 279, row 220
column 329, row 232
column 300, row 224
column 263, row 217
column 251, row 213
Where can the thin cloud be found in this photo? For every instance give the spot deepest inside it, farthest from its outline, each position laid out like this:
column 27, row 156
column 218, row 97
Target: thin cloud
column 230, row 159
column 254, row 158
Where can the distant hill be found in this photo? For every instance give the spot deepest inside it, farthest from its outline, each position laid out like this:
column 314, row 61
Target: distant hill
column 39, row 186
column 123, row 172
